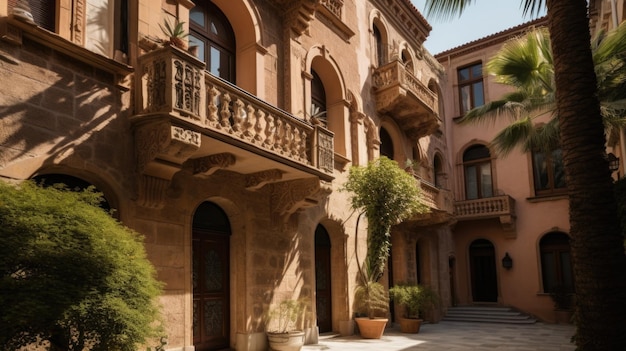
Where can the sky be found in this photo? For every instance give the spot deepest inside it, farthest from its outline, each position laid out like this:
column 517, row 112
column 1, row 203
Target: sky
column 480, row 19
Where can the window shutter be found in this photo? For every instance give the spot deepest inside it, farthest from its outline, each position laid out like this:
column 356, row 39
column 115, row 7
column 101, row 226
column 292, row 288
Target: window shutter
column 42, row 10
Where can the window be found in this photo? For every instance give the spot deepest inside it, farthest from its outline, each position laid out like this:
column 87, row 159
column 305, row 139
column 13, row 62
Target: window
column 42, row 11
column 471, row 87
column 439, row 172
column 386, row 144
column 477, row 166
column 214, row 36
column 380, row 52
column 318, row 99
column 556, row 265
column 548, row 172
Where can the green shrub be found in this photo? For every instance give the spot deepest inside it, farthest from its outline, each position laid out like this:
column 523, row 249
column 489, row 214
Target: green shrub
column 71, row 276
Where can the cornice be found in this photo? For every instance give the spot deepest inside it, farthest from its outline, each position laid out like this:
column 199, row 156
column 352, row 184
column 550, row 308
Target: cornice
column 490, row 40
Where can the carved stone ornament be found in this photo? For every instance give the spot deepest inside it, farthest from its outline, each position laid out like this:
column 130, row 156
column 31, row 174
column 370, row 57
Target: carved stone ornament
column 259, row 179
column 161, row 150
column 210, row 164
column 288, row 197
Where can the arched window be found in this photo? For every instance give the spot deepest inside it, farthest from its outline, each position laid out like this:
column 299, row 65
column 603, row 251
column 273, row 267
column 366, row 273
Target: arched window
column 406, row 60
column 318, row 99
column 386, row 144
column 556, row 264
column 438, row 172
column 380, row 50
column 477, row 167
column 214, row 36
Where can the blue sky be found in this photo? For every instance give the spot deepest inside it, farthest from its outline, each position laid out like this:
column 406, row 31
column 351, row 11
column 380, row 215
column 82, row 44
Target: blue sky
column 480, row 19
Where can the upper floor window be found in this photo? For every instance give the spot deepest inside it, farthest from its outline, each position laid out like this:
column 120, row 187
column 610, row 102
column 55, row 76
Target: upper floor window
column 214, row 36
column 548, row 172
column 97, row 25
column 471, row 91
column 318, row 99
column 380, row 47
column 42, row 12
column 477, row 167
column 438, row 172
column 556, row 265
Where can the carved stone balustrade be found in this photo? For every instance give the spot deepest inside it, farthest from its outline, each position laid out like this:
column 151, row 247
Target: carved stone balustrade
column 406, row 99
column 187, row 119
column 501, row 207
column 439, row 202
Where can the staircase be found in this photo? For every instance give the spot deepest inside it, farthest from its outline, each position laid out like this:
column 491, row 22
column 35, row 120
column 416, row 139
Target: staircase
column 487, row 314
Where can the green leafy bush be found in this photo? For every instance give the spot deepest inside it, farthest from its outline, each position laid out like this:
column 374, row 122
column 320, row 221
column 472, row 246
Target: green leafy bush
column 71, row 276
column 413, row 297
column 388, row 195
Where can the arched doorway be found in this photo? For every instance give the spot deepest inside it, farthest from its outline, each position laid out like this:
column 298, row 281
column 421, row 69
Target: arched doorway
column 323, row 297
column 483, row 271
column 71, row 183
column 211, row 278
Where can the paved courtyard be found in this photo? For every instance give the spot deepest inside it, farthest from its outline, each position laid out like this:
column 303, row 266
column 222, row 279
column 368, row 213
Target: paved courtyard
column 453, row 336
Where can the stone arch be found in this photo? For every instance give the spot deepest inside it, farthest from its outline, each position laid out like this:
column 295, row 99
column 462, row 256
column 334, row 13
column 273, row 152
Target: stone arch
column 407, row 57
column 434, row 86
column 397, row 137
column 319, row 59
column 100, row 181
column 235, row 215
column 244, row 19
column 378, row 21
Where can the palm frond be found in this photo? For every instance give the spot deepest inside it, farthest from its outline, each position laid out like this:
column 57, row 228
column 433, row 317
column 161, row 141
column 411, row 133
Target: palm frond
column 517, row 133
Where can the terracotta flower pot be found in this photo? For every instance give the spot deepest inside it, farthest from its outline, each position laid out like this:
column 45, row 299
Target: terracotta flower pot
column 291, row 341
column 410, row 325
column 371, row 328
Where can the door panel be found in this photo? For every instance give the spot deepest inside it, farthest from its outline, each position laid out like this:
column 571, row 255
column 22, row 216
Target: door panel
column 211, row 291
column 483, row 270
column 323, row 296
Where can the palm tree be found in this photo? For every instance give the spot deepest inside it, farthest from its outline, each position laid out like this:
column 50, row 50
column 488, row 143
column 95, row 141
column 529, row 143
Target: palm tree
column 525, row 64
column 599, row 263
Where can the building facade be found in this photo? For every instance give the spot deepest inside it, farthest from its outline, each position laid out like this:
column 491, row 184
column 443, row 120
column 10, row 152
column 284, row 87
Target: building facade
column 511, row 237
column 229, row 159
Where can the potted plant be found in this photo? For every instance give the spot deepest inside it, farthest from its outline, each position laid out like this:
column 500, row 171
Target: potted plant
column 387, row 195
column 175, row 32
column 562, row 299
column 282, row 329
column 371, row 307
column 412, row 298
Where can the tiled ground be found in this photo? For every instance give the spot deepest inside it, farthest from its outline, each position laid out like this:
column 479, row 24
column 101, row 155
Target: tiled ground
column 454, row 336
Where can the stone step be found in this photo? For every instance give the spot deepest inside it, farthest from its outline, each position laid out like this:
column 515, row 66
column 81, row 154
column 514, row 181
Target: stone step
column 487, row 314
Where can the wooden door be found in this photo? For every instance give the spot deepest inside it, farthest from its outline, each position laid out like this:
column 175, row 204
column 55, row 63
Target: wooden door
column 323, row 304
column 211, row 291
column 483, row 270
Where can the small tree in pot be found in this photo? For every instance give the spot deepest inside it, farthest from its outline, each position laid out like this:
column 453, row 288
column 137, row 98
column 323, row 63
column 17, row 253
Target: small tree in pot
column 282, row 329
column 387, row 195
column 413, row 298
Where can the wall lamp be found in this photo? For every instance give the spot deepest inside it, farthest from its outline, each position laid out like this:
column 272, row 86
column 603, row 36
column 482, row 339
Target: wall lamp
column 507, row 261
column 613, row 162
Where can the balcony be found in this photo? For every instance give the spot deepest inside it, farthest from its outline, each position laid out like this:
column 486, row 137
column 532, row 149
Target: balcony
column 439, row 202
column 500, row 207
column 406, row 99
column 187, row 119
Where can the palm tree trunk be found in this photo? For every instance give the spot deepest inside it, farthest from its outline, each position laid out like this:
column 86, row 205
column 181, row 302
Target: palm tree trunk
column 597, row 242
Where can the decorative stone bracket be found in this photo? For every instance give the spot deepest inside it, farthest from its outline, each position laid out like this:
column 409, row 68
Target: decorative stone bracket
column 161, row 149
column 289, row 197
